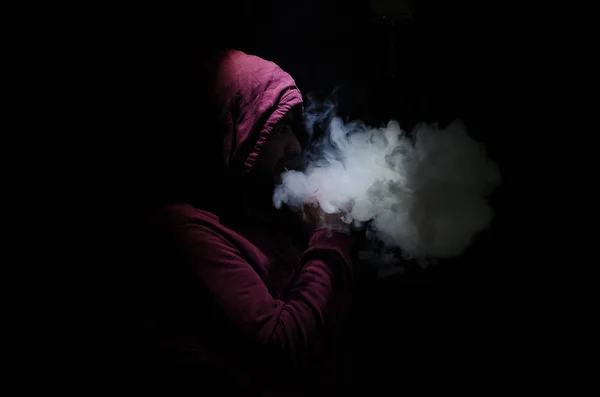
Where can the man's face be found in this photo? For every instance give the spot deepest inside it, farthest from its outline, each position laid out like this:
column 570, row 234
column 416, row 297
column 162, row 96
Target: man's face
column 280, row 151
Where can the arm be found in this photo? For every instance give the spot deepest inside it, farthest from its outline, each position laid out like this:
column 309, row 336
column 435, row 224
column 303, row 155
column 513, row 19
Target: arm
column 286, row 328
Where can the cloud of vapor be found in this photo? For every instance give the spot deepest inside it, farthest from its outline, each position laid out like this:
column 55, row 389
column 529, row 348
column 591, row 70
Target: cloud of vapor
column 423, row 193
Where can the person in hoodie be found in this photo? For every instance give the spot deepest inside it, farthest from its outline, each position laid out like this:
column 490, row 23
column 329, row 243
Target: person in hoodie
column 243, row 296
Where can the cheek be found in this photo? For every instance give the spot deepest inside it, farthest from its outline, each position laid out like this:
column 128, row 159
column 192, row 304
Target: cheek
column 273, row 153
column 267, row 158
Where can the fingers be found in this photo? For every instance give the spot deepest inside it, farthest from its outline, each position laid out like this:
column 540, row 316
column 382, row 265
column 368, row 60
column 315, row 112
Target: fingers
column 313, row 198
column 312, row 202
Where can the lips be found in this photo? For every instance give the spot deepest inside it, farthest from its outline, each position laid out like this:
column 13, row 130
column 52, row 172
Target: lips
column 296, row 163
column 280, row 167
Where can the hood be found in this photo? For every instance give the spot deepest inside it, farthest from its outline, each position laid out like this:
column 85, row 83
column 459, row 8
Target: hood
column 215, row 114
column 251, row 95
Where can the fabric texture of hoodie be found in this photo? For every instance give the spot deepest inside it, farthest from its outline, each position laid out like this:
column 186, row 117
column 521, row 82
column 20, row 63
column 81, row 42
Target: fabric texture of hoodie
column 236, row 299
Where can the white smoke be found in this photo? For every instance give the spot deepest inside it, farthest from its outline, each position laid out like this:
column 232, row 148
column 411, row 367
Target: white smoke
column 423, row 193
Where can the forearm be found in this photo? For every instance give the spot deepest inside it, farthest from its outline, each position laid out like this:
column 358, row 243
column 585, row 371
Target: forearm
column 324, row 280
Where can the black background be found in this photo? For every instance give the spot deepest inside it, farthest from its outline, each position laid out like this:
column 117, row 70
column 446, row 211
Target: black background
column 467, row 326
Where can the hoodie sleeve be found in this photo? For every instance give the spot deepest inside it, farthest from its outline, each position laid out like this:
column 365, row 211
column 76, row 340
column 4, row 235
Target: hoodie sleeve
column 289, row 327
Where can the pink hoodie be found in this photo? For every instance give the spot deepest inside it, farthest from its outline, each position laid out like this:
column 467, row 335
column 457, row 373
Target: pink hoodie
column 241, row 299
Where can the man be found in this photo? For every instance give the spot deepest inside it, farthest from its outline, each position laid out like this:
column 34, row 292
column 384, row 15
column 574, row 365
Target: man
column 242, row 295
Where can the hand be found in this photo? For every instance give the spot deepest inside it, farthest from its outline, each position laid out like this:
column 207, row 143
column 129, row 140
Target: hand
column 314, row 218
